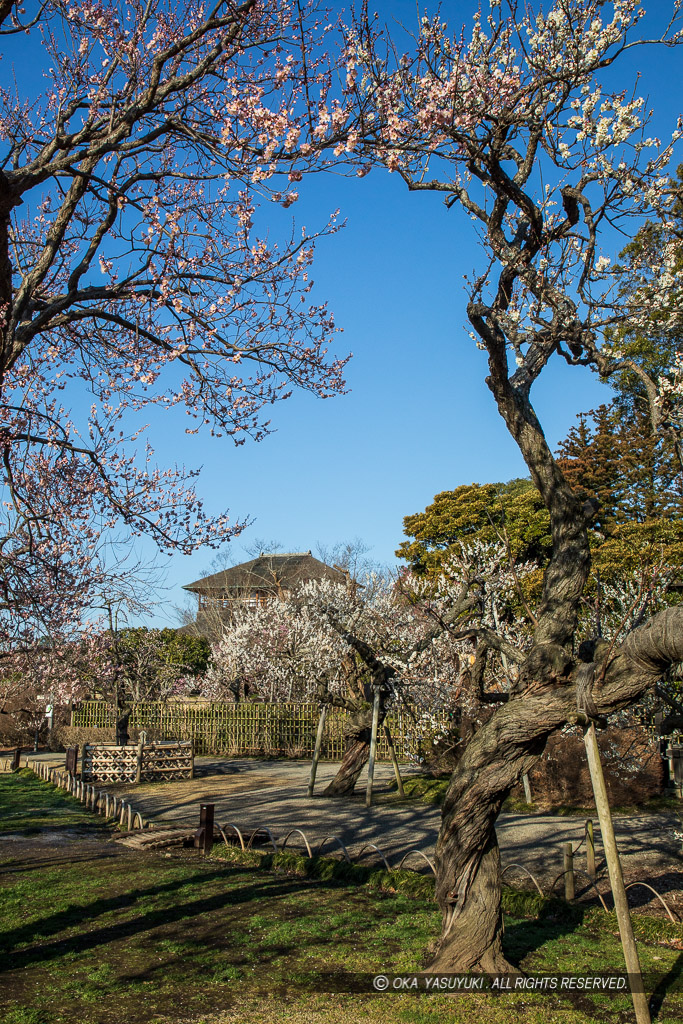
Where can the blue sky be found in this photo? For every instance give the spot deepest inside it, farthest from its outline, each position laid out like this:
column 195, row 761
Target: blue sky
column 418, row 417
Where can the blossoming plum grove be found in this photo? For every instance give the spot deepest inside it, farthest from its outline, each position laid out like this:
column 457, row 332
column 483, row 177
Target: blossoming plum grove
column 523, row 125
column 410, row 638
column 136, row 142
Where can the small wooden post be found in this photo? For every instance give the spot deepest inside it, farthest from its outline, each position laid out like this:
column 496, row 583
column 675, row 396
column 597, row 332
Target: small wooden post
column 16, row 760
column 203, row 837
column 129, row 817
column 316, row 750
column 394, row 761
column 569, row 885
column 590, row 851
column 527, row 788
column 373, row 749
column 628, row 942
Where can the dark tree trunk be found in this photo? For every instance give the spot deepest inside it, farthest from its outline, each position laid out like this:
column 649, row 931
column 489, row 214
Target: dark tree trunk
column 366, row 675
column 344, row 782
column 122, row 719
column 476, row 942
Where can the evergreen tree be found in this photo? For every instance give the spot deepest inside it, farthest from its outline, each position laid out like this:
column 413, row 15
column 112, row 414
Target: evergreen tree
column 511, row 512
column 613, row 456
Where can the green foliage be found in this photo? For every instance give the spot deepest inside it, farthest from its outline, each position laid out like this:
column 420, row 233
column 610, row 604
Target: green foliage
column 173, row 649
column 512, row 513
column 30, row 806
column 138, row 663
column 633, row 548
column 328, row 869
column 611, row 457
column 614, row 457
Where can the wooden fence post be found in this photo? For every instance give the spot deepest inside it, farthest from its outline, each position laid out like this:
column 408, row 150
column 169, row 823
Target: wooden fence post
column 316, row 751
column 203, row 837
column 628, row 942
column 138, row 759
column 590, row 851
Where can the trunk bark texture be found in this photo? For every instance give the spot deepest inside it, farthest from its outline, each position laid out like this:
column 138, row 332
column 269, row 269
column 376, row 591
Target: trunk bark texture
column 365, row 674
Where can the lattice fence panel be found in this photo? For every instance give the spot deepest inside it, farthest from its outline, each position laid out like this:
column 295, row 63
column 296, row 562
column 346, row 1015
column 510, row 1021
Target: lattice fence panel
column 111, row 764
column 168, row 761
column 108, row 764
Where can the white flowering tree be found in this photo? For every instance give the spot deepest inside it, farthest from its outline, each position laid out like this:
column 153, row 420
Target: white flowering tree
column 521, row 124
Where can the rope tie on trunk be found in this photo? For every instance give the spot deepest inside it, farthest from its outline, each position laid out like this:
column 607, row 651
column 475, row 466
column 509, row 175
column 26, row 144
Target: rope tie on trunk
column 585, row 677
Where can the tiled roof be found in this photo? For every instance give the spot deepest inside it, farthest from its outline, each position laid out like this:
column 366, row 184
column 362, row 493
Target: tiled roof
column 267, row 572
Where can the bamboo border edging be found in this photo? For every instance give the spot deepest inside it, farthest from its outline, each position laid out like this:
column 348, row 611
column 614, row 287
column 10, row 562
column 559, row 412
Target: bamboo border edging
column 97, row 801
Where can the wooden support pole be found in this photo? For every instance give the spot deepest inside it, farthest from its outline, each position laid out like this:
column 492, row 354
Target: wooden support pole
column 569, row 884
column 373, row 749
column 394, row 761
column 316, row 751
column 628, row 942
column 527, row 789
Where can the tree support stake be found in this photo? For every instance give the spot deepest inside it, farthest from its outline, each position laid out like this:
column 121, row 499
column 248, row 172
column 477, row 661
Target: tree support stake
column 394, row 761
column 318, row 745
column 628, row 942
column 373, row 749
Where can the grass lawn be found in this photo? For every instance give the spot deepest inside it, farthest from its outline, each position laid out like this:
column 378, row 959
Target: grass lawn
column 98, row 934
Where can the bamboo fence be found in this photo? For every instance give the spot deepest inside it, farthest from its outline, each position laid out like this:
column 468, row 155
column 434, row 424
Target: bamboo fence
column 286, row 729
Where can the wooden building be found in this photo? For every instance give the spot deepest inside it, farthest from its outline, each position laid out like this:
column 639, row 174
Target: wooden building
column 269, row 577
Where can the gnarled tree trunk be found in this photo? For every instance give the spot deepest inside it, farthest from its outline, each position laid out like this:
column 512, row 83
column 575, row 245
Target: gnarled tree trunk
column 468, row 879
